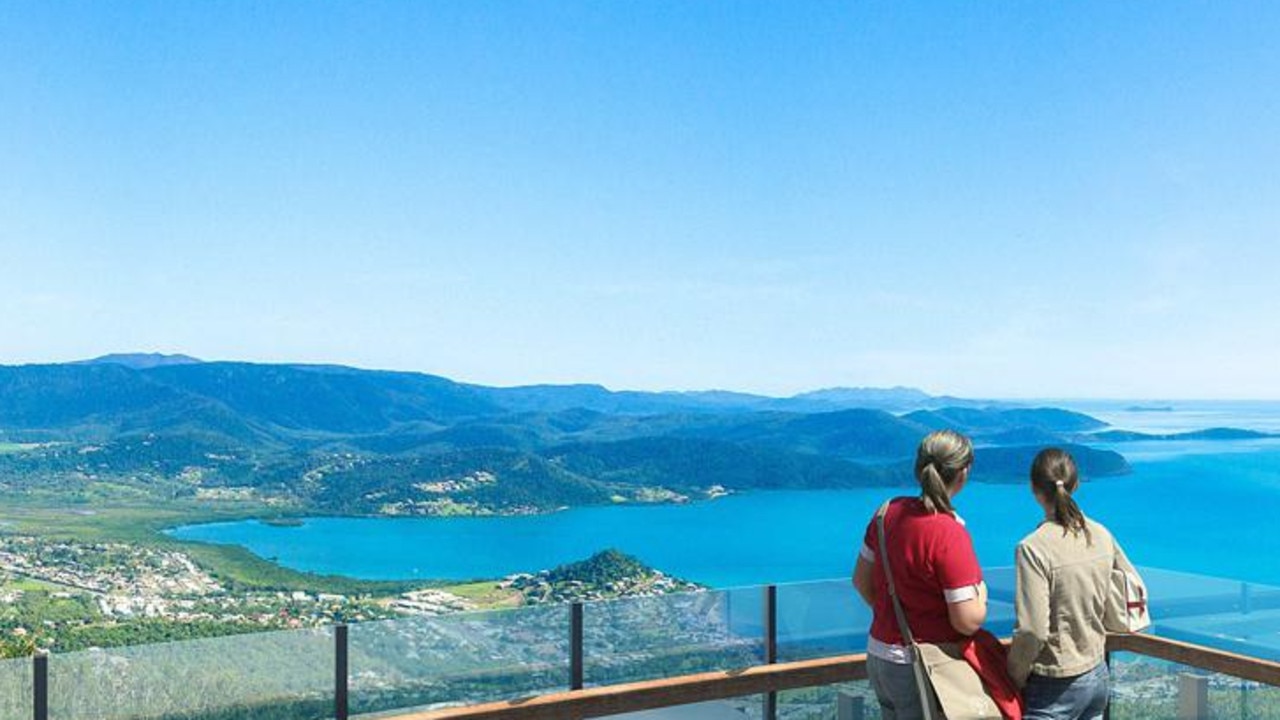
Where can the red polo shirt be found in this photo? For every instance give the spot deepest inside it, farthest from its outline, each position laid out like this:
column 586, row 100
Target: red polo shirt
column 933, row 561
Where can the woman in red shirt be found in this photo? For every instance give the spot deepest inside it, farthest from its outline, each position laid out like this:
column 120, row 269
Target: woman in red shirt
column 935, row 571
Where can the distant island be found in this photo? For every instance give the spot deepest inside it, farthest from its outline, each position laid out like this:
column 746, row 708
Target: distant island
column 1149, row 408
column 1206, row 434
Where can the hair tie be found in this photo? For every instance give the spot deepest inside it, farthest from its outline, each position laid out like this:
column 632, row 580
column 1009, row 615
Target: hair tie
column 1060, row 484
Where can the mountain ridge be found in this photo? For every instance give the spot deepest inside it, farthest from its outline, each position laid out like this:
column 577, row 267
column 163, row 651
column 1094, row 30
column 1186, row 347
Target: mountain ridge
column 346, row 440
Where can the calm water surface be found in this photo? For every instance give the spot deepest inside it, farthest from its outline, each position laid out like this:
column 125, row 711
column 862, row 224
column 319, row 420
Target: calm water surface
column 1204, row 507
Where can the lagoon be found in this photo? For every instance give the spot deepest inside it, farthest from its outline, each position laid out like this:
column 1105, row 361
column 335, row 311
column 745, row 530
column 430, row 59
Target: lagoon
column 1207, row 507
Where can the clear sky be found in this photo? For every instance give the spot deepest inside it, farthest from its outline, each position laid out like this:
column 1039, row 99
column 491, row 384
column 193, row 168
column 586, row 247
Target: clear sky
column 997, row 199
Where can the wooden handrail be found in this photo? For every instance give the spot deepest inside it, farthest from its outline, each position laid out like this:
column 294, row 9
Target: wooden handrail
column 758, row 679
column 1266, row 672
column 667, row 692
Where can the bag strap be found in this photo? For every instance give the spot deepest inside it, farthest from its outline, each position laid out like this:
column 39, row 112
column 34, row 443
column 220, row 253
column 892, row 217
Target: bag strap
column 922, row 685
column 903, row 627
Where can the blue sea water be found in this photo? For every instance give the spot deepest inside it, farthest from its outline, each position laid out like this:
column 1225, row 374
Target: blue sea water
column 1197, row 506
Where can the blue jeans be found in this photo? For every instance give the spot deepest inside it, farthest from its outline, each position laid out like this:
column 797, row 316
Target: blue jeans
column 1082, row 697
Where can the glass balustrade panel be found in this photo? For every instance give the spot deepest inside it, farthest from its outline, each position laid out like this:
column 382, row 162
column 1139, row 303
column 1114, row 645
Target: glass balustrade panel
column 1144, row 688
column 843, row 701
column 15, row 688
column 265, row 676
column 820, row 619
column 464, row 658
column 642, row 638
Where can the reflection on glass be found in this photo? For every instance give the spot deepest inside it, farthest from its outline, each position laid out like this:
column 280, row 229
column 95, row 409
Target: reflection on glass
column 844, row 701
column 458, row 659
column 820, row 619
column 654, row 637
column 15, row 688
column 1143, row 688
column 266, row 675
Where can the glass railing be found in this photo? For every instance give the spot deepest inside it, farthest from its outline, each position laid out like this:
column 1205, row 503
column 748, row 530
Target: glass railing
column 645, row 638
column 1226, row 614
column 16, row 690
column 825, row 618
column 270, row 676
column 465, row 658
column 435, row 662
column 1143, row 688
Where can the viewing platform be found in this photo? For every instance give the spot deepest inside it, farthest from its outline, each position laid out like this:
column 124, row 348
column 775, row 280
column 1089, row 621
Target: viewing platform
column 787, row 651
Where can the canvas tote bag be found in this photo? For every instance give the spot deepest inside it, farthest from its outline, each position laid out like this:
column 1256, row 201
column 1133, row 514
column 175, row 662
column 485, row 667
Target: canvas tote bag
column 940, row 666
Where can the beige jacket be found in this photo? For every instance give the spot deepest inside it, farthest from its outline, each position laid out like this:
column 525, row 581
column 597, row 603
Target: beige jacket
column 1060, row 601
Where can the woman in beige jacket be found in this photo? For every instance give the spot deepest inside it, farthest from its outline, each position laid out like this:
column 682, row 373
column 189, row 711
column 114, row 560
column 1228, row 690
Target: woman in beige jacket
column 1063, row 579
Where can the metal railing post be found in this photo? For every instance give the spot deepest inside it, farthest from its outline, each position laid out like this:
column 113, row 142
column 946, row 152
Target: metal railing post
column 575, row 646
column 1193, row 697
column 341, row 704
column 771, row 646
column 40, row 685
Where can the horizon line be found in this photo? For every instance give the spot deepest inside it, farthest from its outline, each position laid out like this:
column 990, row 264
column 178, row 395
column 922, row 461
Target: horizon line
column 1019, row 399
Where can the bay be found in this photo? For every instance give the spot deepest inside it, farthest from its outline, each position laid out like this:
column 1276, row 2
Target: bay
column 1207, row 507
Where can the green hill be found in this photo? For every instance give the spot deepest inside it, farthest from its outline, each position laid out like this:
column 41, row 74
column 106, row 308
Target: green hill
column 606, row 566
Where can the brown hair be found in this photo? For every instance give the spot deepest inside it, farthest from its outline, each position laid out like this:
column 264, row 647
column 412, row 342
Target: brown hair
column 1054, row 477
column 941, row 457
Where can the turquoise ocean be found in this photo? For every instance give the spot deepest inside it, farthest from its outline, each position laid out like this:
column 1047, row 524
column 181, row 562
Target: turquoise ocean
column 1206, row 507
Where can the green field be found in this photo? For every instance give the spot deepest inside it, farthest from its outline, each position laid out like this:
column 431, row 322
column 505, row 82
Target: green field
column 487, row 594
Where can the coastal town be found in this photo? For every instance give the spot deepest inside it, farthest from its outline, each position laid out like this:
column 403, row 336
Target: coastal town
column 48, row 587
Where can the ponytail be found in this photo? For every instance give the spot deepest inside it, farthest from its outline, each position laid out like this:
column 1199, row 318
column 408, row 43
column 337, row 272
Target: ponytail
column 1055, row 477
column 940, row 459
column 933, row 491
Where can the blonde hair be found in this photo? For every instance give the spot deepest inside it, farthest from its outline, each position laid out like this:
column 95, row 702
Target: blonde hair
column 941, row 457
column 1055, row 477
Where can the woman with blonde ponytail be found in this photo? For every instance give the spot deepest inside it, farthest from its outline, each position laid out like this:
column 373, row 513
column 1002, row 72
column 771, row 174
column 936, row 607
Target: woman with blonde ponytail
column 1063, row 577
column 935, row 571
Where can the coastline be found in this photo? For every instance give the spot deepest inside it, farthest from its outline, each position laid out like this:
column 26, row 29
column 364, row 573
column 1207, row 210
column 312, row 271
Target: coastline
column 154, row 524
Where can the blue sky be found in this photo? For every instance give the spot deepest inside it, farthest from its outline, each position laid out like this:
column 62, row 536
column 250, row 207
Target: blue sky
column 989, row 199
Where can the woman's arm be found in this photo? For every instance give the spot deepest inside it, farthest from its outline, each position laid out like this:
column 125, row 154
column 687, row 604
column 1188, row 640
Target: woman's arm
column 968, row 614
column 862, row 580
column 1031, row 608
